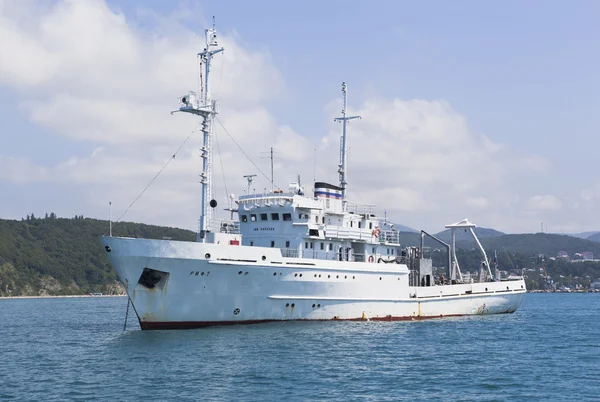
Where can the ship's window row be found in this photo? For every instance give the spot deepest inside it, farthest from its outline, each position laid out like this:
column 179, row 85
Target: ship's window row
column 275, row 217
column 288, row 217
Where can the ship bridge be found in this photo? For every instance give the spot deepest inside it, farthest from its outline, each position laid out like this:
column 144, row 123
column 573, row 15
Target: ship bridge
column 316, row 227
column 323, row 225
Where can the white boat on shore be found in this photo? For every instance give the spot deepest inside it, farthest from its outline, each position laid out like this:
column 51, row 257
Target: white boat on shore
column 294, row 256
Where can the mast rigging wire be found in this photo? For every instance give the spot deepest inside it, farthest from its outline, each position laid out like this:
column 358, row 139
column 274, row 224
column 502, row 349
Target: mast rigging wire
column 221, row 161
column 157, row 174
column 246, row 155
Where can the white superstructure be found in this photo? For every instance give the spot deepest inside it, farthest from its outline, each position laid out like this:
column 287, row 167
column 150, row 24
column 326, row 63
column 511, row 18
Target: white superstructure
column 293, row 256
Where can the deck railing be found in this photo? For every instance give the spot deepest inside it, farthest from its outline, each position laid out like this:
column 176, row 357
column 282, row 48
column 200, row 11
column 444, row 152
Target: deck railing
column 225, row 226
column 337, row 256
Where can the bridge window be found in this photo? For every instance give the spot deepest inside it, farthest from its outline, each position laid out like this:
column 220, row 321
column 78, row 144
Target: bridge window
column 244, row 218
column 305, row 244
column 264, row 217
column 370, row 225
column 323, row 220
column 275, row 217
column 253, row 217
column 330, row 246
column 373, row 250
column 312, row 244
column 251, row 243
column 299, row 216
column 359, row 224
column 316, row 219
column 322, row 246
column 287, row 244
column 272, row 243
column 287, row 217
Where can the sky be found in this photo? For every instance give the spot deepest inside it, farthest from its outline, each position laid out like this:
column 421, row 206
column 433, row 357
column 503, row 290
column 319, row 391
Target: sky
column 469, row 109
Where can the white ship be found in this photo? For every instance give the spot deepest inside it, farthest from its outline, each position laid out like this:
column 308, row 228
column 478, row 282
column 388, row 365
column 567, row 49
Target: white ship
column 294, row 256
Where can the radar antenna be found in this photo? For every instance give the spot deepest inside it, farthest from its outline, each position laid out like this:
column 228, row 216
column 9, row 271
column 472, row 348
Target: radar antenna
column 250, row 178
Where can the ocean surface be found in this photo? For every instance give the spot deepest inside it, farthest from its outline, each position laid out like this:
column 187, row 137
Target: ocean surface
column 76, row 349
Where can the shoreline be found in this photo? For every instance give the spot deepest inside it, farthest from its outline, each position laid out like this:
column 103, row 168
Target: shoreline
column 53, row 296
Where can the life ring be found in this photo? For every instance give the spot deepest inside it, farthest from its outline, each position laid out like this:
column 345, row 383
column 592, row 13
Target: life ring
column 376, row 232
column 371, row 258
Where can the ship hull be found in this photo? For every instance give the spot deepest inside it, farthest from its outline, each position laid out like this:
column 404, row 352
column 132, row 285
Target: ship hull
column 183, row 285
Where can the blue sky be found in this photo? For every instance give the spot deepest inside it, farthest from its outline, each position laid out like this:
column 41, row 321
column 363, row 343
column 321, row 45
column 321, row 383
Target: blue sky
column 522, row 74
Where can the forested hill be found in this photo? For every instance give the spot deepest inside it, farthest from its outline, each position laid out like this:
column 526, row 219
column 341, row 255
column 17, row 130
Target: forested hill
column 59, row 256
column 528, row 244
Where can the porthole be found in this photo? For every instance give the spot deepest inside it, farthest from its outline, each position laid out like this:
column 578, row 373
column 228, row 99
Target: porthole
column 246, row 273
column 108, row 249
column 507, row 288
column 263, row 258
column 274, row 273
column 293, row 305
column 314, row 305
column 318, row 305
column 295, row 274
column 329, row 276
column 353, row 277
column 207, row 255
column 486, row 289
column 319, row 275
column 202, row 274
column 337, row 277
column 300, row 275
column 315, row 275
column 380, row 278
column 287, row 304
column 236, row 311
column 239, row 273
column 345, row 277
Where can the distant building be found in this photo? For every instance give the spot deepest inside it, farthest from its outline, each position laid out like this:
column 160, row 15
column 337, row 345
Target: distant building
column 588, row 256
column 563, row 254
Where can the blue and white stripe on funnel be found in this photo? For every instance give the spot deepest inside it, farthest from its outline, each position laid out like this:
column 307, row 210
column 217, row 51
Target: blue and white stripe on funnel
column 326, row 190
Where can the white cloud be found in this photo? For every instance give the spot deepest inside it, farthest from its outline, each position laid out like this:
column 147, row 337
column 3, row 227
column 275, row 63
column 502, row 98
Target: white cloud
column 546, row 202
column 85, row 73
column 20, row 170
column 477, row 202
column 416, row 158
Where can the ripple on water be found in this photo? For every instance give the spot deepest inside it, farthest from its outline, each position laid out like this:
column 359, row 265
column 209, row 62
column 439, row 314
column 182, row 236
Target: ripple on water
column 57, row 349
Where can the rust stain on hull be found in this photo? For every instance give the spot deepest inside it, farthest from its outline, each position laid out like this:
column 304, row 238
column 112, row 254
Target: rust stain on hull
column 148, row 325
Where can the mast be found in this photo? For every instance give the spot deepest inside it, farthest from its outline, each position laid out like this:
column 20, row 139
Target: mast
column 343, row 145
column 207, row 109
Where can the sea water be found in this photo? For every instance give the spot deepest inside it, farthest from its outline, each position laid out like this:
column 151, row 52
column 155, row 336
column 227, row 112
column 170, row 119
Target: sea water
column 76, row 349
